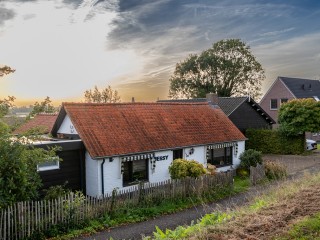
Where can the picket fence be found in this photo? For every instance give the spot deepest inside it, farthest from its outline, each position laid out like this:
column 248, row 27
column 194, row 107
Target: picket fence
column 257, row 174
column 25, row 218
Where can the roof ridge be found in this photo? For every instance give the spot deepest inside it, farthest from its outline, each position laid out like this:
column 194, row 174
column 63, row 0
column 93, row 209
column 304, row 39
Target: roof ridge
column 135, row 103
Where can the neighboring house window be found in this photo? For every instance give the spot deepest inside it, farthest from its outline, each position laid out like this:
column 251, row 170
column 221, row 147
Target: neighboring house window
column 283, row 100
column 134, row 171
column 273, row 104
column 220, row 157
column 178, row 153
column 50, row 164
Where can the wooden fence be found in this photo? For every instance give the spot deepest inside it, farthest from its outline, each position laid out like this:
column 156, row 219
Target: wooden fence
column 24, row 218
column 257, row 174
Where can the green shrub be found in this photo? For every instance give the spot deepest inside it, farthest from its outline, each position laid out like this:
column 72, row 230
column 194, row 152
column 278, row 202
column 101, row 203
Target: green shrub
column 57, row 191
column 181, row 168
column 274, row 170
column 242, row 172
column 249, row 158
column 274, row 142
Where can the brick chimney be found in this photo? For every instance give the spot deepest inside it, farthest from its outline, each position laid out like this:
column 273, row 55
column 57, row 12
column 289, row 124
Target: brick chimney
column 212, row 98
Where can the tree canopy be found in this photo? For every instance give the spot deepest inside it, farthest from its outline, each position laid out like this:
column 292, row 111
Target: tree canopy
column 5, row 105
column 19, row 179
column 106, row 95
column 228, row 68
column 5, row 70
column 299, row 115
column 42, row 107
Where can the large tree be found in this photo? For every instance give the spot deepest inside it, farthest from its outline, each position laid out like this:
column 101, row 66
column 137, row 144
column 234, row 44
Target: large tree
column 106, row 95
column 299, row 116
column 228, row 68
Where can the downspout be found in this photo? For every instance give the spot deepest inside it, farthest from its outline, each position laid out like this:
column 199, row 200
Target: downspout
column 102, row 181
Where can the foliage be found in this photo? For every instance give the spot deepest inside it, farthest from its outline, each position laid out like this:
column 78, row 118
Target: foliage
column 57, row 191
column 274, row 170
column 5, row 70
column 42, row 107
column 19, row 179
column 308, row 228
column 5, row 105
column 228, row 68
column 211, row 169
column 274, row 142
column 106, row 95
column 298, row 116
column 181, row 168
column 249, row 158
column 4, row 128
column 243, row 172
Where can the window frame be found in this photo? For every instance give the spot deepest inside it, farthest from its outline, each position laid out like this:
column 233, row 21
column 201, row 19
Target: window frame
column 226, row 159
column 276, row 102
column 50, row 167
column 177, row 153
column 128, row 166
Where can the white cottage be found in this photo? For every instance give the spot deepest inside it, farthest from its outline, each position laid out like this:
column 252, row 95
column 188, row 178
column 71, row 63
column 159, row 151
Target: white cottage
column 130, row 142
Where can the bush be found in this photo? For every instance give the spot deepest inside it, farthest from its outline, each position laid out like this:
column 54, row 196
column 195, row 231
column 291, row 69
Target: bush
column 274, row 142
column 249, row 158
column 181, row 168
column 274, row 170
column 211, row 169
column 242, row 172
column 57, row 191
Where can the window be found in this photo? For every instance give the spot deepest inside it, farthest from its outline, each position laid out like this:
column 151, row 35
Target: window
column 178, row 153
column 134, row 171
column 273, row 104
column 220, row 157
column 283, row 100
column 51, row 164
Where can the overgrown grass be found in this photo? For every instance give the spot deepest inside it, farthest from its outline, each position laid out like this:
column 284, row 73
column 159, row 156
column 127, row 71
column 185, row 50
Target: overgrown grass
column 308, row 229
column 138, row 214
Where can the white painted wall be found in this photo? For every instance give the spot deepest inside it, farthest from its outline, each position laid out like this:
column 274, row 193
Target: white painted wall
column 112, row 169
column 67, row 126
column 198, row 155
column 92, row 176
column 112, row 175
column 161, row 171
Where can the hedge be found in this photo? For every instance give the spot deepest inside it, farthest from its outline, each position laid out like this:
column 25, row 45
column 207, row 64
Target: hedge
column 273, row 142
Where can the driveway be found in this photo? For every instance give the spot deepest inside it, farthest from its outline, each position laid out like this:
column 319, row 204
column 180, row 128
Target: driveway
column 296, row 166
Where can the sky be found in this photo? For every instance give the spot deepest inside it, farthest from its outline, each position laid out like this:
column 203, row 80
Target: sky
column 60, row 48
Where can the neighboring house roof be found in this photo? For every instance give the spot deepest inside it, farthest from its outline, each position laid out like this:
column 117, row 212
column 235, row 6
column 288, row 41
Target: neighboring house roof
column 44, row 121
column 302, row 88
column 129, row 128
column 229, row 104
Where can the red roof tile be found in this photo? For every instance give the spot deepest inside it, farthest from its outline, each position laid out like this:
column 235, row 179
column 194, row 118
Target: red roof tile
column 44, row 121
column 128, row 128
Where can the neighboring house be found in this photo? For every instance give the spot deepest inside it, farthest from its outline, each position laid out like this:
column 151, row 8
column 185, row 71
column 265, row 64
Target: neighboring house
column 284, row 89
column 70, row 169
column 244, row 112
column 130, row 142
column 42, row 121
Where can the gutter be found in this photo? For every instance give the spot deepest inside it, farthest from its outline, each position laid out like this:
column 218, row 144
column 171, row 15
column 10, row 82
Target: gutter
column 102, row 178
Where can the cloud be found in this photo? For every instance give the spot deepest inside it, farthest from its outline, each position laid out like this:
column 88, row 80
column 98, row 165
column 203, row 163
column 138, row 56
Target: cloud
column 274, row 33
column 6, row 14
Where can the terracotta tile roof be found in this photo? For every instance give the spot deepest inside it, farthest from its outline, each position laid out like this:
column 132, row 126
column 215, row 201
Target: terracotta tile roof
column 128, row 128
column 43, row 120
